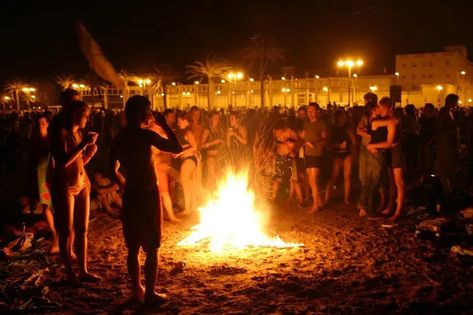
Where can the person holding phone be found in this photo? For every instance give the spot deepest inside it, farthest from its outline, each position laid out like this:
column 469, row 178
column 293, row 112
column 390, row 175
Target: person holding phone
column 70, row 187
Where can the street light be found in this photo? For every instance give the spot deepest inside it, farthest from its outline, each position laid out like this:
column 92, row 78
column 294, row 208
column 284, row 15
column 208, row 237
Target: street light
column 439, row 89
column 349, row 64
column 233, row 77
column 285, row 91
column 373, row 88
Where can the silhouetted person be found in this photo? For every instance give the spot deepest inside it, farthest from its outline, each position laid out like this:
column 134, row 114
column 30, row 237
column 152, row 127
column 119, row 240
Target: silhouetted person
column 141, row 215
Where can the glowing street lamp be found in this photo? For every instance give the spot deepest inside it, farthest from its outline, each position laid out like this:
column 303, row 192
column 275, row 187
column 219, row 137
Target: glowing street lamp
column 349, row 64
column 373, row 88
column 285, row 91
column 439, row 88
column 234, row 77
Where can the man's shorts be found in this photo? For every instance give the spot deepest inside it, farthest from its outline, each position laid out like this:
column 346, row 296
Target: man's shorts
column 142, row 219
column 313, row 161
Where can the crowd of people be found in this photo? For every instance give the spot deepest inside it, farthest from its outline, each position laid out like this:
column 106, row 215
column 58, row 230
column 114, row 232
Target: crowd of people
column 142, row 161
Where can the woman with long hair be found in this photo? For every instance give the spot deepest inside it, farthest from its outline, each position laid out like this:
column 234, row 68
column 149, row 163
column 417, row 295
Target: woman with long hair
column 70, row 187
column 188, row 163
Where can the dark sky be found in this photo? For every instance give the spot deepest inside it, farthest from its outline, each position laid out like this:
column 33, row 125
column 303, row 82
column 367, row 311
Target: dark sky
column 38, row 38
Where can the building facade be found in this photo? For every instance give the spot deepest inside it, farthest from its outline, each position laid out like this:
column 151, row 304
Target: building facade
column 419, row 79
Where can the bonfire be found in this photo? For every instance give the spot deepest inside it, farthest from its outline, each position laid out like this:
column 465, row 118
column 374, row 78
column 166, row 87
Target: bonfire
column 230, row 219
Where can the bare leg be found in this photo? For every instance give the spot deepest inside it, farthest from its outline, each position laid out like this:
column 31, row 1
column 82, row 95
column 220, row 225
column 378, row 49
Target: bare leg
column 187, row 170
column 392, row 192
column 313, row 174
column 347, row 166
column 64, row 205
column 211, row 173
column 296, row 189
column 337, row 164
column 167, row 204
column 134, row 270
column 399, row 180
column 151, row 271
column 50, row 221
column 81, row 225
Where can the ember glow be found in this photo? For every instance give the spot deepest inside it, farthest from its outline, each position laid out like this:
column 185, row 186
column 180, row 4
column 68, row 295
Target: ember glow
column 230, row 220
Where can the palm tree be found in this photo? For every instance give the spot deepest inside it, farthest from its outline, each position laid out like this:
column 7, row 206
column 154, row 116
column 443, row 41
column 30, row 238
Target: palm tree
column 260, row 56
column 127, row 77
column 65, row 81
column 14, row 88
column 210, row 68
column 162, row 75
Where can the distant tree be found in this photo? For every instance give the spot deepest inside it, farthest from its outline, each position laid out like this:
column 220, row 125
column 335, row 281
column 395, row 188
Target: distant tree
column 162, row 76
column 13, row 88
column 65, row 81
column 99, row 85
column 211, row 68
column 46, row 92
column 260, row 55
column 127, row 78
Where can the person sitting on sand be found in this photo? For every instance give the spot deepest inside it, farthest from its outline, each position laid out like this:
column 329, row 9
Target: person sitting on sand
column 107, row 192
column 141, row 212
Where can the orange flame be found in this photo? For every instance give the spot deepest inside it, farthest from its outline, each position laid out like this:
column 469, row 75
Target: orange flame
column 231, row 220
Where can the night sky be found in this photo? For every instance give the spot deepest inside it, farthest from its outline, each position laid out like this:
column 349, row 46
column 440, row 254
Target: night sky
column 38, row 38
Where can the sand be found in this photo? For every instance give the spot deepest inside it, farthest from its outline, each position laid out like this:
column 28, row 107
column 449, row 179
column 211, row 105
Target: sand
column 347, row 265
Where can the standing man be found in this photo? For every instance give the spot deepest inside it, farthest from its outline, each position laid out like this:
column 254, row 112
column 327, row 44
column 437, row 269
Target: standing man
column 314, row 134
column 141, row 214
column 371, row 101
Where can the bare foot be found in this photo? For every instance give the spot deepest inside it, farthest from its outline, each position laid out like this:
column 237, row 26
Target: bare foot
column 394, row 217
column 362, row 213
column 54, row 249
column 155, row 298
column 73, row 256
column 174, row 220
column 313, row 210
column 89, row 277
column 138, row 294
column 72, row 280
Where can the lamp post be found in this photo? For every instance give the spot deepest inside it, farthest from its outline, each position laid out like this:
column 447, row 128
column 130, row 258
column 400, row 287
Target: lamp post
column 463, row 75
column 349, row 64
column 439, row 88
column 285, row 91
column 233, row 77
column 355, row 75
column 326, row 90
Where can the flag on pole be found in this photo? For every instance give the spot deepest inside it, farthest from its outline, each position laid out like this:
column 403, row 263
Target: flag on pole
column 97, row 60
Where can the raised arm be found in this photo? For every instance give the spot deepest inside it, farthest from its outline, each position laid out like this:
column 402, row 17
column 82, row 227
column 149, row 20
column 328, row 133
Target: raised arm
column 62, row 157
